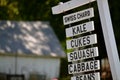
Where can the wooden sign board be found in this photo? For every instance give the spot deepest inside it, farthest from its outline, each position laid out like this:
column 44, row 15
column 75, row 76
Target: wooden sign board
column 80, row 29
column 84, row 67
column 81, row 41
column 90, row 76
column 78, row 16
column 83, row 54
column 107, row 32
column 69, row 5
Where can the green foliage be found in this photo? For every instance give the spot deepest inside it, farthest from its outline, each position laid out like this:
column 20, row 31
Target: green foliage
column 8, row 10
column 26, row 9
column 3, row 2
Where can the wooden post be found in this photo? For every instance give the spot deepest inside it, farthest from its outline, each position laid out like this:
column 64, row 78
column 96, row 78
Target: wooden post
column 109, row 38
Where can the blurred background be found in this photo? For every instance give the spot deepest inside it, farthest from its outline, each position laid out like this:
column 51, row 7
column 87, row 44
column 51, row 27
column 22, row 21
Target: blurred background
column 33, row 40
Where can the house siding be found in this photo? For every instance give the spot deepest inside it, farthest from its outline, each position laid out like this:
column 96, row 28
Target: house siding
column 49, row 67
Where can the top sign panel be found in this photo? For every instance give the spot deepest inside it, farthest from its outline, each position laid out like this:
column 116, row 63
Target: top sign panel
column 78, row 16
column 69, row 5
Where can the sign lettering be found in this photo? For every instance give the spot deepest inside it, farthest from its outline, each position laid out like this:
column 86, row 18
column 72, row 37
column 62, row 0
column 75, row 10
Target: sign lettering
column 83, row 54
column 81, row 41
column 78, row 16
column 80, row 29
column 84, row 67
column 91, row 76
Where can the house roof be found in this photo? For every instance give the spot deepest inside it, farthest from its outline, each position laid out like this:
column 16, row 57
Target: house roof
column 36, row 38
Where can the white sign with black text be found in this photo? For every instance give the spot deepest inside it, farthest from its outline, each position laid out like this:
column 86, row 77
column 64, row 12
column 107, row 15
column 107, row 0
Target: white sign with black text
column 80, row 29
column 90, row 76
column 78, row 16
column 108, row 33
column 81, row 41
column 83, row 54
column 84, row 67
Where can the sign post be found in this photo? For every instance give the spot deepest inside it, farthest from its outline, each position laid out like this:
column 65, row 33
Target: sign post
column 87, row 40
column 109, row 38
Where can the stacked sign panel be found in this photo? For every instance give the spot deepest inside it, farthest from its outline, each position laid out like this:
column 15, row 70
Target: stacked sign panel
column 85, row 69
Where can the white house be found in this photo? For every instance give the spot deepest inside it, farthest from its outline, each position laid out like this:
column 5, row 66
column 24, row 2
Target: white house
column 29, row 48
